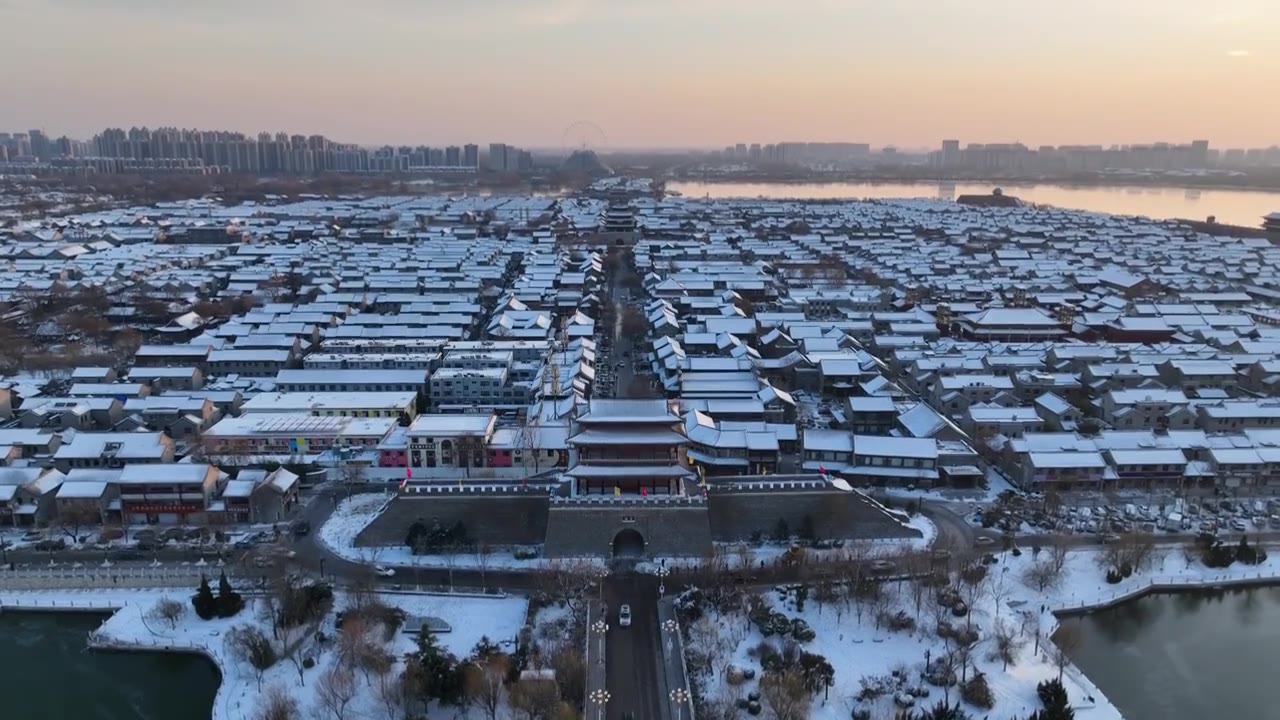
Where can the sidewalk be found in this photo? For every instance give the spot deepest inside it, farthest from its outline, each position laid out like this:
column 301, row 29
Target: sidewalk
column 678, row 698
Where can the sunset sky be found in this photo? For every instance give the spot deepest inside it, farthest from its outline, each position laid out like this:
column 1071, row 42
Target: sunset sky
column 652, row 73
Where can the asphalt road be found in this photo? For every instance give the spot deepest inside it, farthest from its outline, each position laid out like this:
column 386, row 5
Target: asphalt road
column 633, row 657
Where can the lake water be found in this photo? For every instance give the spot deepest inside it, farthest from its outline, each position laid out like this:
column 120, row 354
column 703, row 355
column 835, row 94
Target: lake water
column 1236, row 207
column 46, row 672
column 1186, row 655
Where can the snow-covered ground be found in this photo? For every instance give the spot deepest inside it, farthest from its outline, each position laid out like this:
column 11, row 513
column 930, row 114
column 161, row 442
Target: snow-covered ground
column 470, row 617
column 857, row 649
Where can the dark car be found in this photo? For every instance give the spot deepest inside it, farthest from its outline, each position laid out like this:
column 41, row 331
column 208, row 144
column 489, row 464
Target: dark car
column 125, row 555
column 301, row 527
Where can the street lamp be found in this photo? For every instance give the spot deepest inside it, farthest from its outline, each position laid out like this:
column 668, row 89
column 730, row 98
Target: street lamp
column 600, row 627
column 599, row 697
column 680, row 697
column 601, row 574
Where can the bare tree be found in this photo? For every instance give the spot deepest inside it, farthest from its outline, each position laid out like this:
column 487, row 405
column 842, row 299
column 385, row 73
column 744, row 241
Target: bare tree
column 352, row 475
column 484, row 683
column 567, row 580
column 974, row 579
column 999, row 589
column 1065, row 640
column 531, row 442
column 1041, row 576
column 352, row 637
column 277, row 704
column 168, row 611
column 534, row 699
column 1006, row 643
column 1059, row 548
column 1133, row 552
column 335, row 690
column 450, row 553
column 74, row 516
column 296, row 640
column 880, row 600
column 361, row 592
column 392, row 693
column 570, row 667
column 249, row 644
column 1190, row 553
column 484, row 554
column 785, row 694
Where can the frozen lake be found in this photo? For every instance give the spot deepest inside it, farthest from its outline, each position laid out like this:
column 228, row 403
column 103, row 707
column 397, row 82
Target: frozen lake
column 1185, row 655
column 1235, row 207
column 49, row 673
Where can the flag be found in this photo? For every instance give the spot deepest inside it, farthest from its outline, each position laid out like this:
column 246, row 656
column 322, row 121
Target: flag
column 524, row 482
column 644, row 492
column 617, row 491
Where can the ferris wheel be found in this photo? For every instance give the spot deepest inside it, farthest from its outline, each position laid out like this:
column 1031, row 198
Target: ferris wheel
column 583, row 135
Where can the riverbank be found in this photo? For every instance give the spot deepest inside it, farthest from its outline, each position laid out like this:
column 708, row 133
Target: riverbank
column 1085, row 591
column 132, row 627
column 1102, row 182
column 126, row 629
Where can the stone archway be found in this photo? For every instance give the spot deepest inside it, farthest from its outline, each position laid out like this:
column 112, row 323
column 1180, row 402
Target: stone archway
column 628, row 543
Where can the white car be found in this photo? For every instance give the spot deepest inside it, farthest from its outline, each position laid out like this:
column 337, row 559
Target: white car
column 624, row 616
column 383, row 571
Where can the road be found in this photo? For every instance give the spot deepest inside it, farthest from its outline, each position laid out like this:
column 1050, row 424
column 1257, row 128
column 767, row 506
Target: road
column 633, row 657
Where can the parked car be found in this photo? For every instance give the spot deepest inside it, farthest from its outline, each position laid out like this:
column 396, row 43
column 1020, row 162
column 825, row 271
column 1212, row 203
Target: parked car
column 624, row 616
column 301, row 527
column 383, row 571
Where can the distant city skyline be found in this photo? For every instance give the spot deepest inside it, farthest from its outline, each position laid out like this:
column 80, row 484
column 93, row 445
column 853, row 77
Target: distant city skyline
column 657, row 74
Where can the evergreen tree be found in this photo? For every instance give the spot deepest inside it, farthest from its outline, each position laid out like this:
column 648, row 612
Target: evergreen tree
column 485, row 648
column 229, row 601
column 782, row 531
column 205, row 604
column 433, row 672
column 807, row 531
column 1053, row 696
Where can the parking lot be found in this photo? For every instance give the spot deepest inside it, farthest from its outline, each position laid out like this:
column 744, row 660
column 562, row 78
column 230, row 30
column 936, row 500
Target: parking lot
column 1104, row 514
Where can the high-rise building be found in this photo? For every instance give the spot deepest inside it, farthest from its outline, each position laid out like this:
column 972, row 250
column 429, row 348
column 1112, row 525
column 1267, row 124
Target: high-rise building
column 498, row 157
column 41, row 148
column 453, row 156
column 1199, row 153
column 950, row 153
column 471, row 155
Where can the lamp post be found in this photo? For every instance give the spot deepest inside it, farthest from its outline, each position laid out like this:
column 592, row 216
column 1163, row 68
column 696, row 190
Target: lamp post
column 601, row 574
column 599, row 697
column 600, row 627
column 680, row 698
column 671, row 627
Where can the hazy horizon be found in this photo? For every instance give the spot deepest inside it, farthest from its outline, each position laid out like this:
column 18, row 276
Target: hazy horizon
column 660, row 74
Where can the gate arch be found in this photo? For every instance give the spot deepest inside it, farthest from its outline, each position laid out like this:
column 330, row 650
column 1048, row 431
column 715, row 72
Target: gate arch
column 628, row 543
